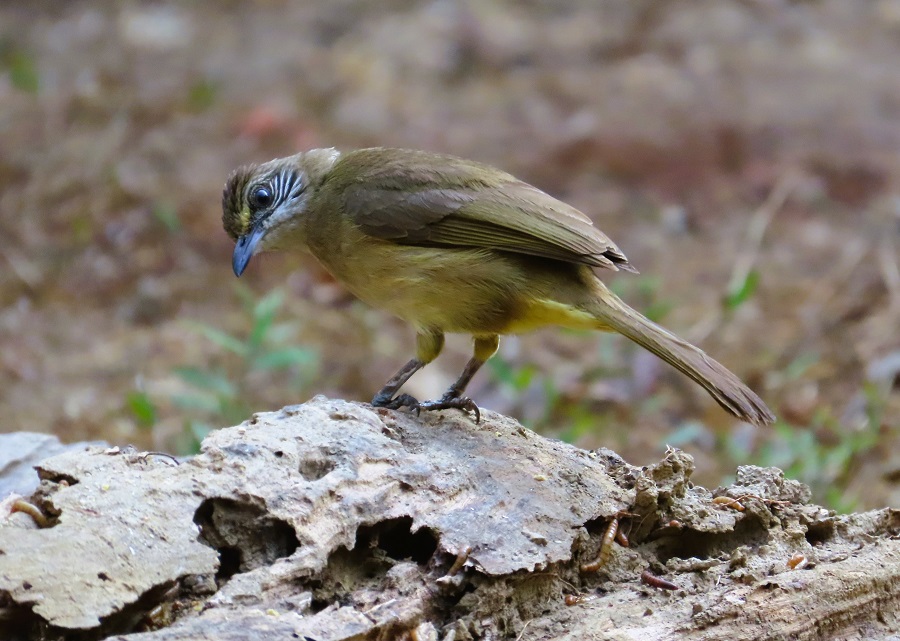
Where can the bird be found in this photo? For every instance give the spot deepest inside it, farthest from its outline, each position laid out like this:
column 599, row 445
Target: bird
column 451, row 245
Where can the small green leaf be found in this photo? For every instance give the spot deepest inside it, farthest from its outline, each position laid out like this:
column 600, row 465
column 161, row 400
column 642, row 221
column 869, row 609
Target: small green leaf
column 202, row 94
column 258, row 332
column 501, row 371
column 740, row 294
column 523, row 376
column 264, row 315
column 142, row 408
column 22, row 71
column 658, row 310
column 168, row 216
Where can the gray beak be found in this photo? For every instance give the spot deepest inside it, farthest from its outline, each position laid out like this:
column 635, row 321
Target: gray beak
column 243, row 250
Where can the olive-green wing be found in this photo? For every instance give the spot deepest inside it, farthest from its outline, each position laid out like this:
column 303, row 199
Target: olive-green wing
column 425, row 199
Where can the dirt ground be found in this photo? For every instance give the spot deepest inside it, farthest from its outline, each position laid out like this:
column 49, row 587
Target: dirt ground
column 720, row 143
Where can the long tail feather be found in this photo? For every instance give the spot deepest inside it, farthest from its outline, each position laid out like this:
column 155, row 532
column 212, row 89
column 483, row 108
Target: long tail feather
column 726, row 388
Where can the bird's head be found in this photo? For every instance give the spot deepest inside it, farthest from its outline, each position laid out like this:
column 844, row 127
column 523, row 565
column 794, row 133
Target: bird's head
column 263, row 205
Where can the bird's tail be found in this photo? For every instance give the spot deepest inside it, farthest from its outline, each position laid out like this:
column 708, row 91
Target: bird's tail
column 726, row 388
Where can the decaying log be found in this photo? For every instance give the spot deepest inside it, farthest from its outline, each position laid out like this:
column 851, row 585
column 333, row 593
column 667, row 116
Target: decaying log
column 333, row 521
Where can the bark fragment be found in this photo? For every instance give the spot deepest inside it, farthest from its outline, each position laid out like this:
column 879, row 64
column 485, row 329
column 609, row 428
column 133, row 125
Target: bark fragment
column 332, row 521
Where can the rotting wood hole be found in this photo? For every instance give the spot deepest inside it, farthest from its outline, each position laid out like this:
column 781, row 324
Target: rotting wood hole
column 19, row 621
column 56, row 477
column 245, row 535
column 396, row 538
column 377, row 549
column 820, row 532
column 686, row 544
column 132, row 616
column 229, row 563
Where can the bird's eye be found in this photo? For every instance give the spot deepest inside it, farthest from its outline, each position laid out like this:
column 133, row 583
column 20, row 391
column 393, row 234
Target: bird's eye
column 261, row 198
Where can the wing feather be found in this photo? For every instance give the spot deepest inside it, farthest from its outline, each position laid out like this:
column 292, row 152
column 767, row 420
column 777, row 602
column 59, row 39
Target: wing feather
column 434, row 200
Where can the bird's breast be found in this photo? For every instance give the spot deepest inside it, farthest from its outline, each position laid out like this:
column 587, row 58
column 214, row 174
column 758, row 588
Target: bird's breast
column 453, row 290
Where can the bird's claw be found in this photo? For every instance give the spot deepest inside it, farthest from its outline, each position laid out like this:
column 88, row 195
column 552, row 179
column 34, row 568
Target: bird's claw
column 445, row 403
column 401, row 400
column 463, row 403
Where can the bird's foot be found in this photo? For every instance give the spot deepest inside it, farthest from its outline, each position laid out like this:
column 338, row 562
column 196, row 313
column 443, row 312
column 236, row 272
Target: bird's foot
column 395, row 403
column 446, row 402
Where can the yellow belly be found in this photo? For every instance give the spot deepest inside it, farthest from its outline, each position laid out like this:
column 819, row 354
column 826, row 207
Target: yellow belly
column 539, row 313
column 459, row 290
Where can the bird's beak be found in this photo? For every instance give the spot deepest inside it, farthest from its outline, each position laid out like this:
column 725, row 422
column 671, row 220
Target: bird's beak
column 243, row 250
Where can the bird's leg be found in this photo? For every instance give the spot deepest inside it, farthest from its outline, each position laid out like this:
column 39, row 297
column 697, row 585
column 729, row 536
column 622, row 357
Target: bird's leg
column 428, row 346
column 485, row 346
column 385, row 396
column 453, row 397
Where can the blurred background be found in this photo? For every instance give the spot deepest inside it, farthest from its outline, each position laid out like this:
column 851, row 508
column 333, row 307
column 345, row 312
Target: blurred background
column 743, row 153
